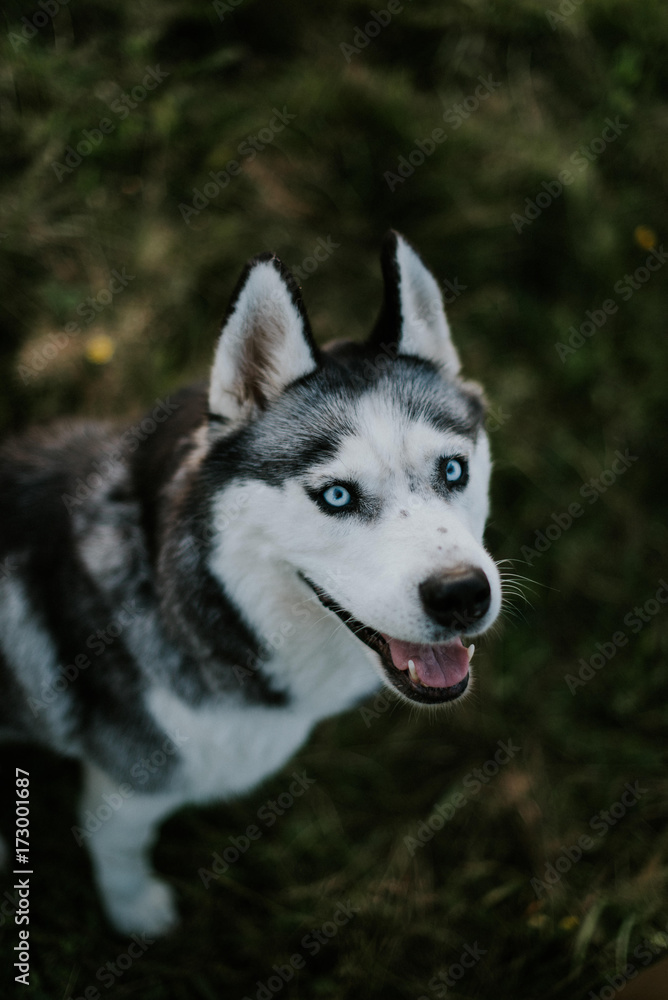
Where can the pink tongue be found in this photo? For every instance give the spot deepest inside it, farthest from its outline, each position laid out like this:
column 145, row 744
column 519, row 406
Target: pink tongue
column 436, row 666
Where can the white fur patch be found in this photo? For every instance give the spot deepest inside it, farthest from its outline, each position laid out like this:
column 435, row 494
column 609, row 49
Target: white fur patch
column 225, row 751
column 313, row 654
column 136, row 900
column 28, row 649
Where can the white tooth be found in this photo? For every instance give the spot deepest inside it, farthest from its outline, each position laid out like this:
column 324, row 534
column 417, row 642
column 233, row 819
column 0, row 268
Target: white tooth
column 470, row 651
column 413, row 672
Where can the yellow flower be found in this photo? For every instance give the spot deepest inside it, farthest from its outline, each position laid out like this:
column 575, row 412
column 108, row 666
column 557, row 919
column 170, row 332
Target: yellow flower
column 100, row 349
column 568, row 923
column 645, row 237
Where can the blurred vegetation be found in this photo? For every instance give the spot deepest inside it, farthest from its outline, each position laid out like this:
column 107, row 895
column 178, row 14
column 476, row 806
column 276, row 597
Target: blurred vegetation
column 556, row 424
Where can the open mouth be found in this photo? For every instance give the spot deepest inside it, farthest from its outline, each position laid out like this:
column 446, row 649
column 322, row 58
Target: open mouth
column 431, row 675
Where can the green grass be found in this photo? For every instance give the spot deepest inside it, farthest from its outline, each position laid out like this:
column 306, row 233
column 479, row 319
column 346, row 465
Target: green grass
column 556, row 424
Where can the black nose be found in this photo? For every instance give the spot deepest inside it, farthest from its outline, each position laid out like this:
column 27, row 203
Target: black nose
column 456, row 600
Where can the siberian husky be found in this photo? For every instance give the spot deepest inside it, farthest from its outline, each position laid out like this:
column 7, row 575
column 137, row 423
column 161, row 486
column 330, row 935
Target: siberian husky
column 181, row 602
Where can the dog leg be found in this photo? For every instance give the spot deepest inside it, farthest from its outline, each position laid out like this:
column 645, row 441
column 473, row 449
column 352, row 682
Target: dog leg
column 134, row 898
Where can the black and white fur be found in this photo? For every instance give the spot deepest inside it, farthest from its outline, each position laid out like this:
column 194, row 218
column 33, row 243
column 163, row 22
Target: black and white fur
column 248, row 609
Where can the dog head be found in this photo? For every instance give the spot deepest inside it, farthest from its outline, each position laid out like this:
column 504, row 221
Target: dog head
column 365, row 470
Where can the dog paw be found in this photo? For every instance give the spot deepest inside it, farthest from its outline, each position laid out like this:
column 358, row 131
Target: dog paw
column 151, row 911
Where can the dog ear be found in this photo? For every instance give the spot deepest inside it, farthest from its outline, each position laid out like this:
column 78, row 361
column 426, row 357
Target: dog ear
column 412, row 316
column 265, row 344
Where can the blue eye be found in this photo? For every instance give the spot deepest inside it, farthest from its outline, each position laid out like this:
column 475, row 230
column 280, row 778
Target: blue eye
column 337, row 496
column 454, row 471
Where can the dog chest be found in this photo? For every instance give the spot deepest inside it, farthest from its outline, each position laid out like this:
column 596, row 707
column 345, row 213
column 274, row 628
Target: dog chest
column 226, row 750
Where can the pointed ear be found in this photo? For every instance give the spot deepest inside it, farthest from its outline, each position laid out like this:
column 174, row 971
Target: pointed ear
column 265, row 343
column 412, row 317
